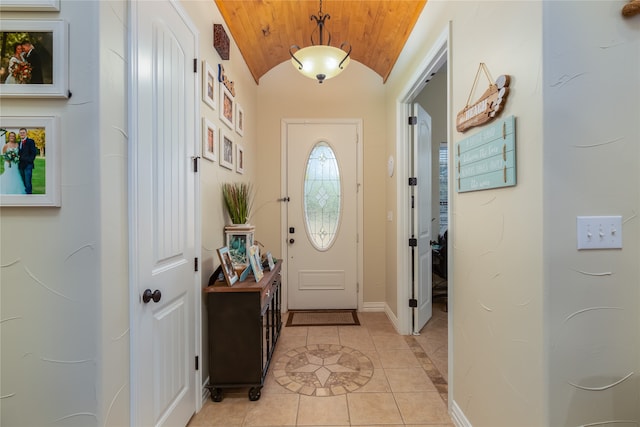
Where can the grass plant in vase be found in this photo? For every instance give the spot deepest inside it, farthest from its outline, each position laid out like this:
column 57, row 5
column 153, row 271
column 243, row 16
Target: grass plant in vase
column 237, row 199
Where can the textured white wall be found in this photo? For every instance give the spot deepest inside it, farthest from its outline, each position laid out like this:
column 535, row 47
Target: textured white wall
column 495, row 239
column 50, row 279
column 591, row 140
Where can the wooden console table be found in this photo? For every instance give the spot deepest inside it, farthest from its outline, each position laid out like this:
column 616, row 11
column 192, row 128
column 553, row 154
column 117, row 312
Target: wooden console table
column 244, row 326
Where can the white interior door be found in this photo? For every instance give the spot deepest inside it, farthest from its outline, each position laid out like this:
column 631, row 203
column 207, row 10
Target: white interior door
column 163, row 223
column 422, row 217
column 322, row 215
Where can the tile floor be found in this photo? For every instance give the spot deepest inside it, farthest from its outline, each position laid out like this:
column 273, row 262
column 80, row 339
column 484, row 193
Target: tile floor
column 400, row 381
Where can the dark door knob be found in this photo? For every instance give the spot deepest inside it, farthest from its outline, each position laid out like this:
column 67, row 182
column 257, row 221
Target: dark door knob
column 148, row 296
column 291, row 241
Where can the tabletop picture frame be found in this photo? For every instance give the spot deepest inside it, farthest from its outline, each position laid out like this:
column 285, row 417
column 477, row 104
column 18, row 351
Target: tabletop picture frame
column 43, row 72
column 230, row 274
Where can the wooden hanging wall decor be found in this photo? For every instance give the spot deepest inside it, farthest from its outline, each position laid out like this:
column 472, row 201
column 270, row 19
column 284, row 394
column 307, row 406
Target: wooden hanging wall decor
column 490, row 104
column 632, row 8
column 221, row 41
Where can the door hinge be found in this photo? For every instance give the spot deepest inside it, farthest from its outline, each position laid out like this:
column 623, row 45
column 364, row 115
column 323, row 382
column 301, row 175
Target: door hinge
column 195, row 163
column 413, row 242
column 195, row 264
column 413, row 303
column 413, row 120
column 197, row 363
column 413, row 204
column 413, row 181
column 195, row 65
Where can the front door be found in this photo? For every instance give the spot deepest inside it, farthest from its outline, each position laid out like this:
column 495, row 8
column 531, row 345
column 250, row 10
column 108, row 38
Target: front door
column 422, row 216
column 163, row 185
column 322, row 214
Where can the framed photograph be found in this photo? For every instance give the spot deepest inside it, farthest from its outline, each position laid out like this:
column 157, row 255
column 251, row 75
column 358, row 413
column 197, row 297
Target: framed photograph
column 239, row 119
column 209, row 85
column 239, row 242
column 33, row 59
column 254, row 260
column 230, row 274
column 239, row 158
column 209, row 140
column 226, row 149
column 226, row 106
column 30, row 170
column 30, row 5
column 272, row 264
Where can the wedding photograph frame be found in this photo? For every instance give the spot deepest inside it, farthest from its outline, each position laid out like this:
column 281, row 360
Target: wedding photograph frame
column 227, row 106
column 240, row 158
column 51, row 48
column 226, row 149
column 230, row 274
column 209, row 85
column 30, row 5
column 209, row 140
column 239, row 119
column 44, row 130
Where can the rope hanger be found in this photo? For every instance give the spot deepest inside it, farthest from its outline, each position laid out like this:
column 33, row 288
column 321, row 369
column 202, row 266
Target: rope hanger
column 484, row 68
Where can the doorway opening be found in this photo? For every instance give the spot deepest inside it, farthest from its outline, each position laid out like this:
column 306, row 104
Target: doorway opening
column 429, row 90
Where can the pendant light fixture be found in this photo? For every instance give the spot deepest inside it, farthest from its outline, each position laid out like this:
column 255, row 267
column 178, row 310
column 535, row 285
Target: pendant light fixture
column 321, row 61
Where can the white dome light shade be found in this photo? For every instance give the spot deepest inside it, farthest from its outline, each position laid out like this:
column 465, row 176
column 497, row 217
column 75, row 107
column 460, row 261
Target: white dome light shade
column 320, row 62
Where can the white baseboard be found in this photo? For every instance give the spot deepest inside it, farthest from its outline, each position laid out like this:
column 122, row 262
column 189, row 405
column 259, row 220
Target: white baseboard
column 457, row 416
column 373, row 307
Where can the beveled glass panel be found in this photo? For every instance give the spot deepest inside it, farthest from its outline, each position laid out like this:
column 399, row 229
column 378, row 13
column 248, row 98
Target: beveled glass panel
column 322, row 196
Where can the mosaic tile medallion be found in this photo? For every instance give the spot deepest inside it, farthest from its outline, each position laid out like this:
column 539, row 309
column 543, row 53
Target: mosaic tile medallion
column 323, row 370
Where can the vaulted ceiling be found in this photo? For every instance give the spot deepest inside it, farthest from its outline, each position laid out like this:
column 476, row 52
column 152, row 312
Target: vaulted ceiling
column 264, row 30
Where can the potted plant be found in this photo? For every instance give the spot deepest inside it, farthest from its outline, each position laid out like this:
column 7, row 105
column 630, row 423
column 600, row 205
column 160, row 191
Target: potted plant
column 237, row 199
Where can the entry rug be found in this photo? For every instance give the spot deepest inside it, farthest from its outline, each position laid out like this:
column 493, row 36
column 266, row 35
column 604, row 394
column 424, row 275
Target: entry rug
column 322, row 318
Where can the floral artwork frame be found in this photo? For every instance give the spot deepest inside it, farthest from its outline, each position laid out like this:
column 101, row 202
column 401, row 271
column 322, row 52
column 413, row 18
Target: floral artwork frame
column 239, row 119
column 30, row 5
column 44, row 131
column 240, row 158
column 51, row 49
column 209, row 140
column 227, row 106
column 229, row 272
column 209, row 85
column 226, row 149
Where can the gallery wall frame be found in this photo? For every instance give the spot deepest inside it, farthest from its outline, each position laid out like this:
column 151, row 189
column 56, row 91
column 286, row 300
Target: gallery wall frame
column 209, row 85
column 239, row 119
column 227, row 106
column 30, row 5
column 49, row 59
column 226, row 148
column 240, row 158
column 209, row 140
column 45, row 131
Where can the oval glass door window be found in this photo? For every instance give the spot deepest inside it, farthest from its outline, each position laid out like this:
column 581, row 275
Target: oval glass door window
column 322, row 196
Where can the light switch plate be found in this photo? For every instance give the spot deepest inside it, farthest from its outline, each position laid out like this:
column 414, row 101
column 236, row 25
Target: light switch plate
column 599, row 232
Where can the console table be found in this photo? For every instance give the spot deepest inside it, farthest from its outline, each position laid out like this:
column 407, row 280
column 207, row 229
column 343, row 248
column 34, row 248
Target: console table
column 244, row 326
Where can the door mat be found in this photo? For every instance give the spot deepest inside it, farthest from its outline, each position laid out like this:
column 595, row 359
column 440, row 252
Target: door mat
column 323, row 318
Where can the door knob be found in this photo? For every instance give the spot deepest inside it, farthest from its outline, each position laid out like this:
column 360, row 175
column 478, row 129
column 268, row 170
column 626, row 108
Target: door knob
column 148, row 296
column 291, row 241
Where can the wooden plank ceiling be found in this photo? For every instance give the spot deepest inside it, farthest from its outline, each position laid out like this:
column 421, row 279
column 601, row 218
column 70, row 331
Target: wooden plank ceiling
column 264, row 30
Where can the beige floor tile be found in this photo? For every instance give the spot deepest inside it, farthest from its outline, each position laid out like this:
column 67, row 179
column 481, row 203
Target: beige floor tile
column 229, row 414
column 408, row 380
column 381, row 328
column 377, row 384
column 422, row 408
column 325, row 411
column 398, row 359
column 273, row 410
column 322, row 330
column 373, row 408
column 390, row 342
column 356, row 338
column 323, row 339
